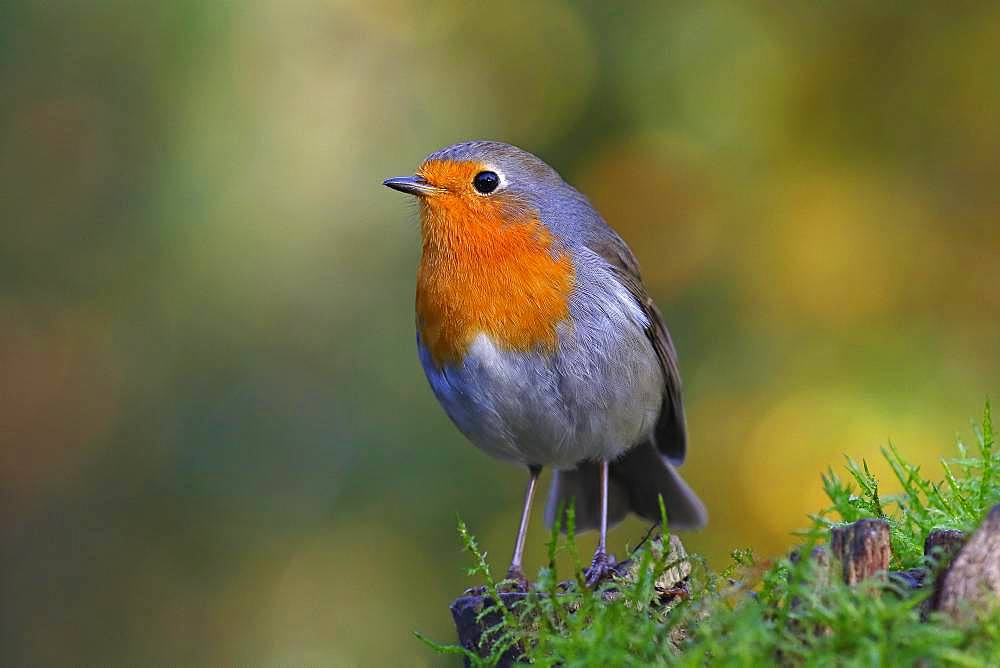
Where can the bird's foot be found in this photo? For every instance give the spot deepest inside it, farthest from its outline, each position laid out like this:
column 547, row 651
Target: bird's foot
column 601, row 569
column 515, row 580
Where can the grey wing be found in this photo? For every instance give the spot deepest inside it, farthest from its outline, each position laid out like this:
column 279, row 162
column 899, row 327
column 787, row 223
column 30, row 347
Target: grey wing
column 670, row 433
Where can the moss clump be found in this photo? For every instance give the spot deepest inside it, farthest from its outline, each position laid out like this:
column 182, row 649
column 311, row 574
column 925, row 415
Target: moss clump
column 786, row 611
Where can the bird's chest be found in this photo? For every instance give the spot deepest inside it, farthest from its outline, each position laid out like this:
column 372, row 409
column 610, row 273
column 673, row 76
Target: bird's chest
column 508, row 403
column 505, row 283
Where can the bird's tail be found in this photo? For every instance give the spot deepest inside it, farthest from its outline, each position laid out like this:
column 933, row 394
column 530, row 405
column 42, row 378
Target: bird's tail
column 636, row 483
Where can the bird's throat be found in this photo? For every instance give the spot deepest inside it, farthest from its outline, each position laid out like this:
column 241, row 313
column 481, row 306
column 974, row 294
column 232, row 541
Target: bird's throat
column 485, row 275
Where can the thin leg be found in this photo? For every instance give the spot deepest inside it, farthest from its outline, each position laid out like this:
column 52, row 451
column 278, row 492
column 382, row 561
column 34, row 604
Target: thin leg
column 602, row 542
column 515, row 572
column 599, row 567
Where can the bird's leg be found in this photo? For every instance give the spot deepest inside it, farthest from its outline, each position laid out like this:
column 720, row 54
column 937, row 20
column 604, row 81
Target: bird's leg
column 600, row 567
column 515, row 572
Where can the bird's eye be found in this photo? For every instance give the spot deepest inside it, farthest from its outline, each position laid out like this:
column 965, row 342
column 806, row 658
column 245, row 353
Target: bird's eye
column 486, row 182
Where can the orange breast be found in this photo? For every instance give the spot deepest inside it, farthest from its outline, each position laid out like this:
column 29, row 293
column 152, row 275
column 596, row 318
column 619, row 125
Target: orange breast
column 484, row 273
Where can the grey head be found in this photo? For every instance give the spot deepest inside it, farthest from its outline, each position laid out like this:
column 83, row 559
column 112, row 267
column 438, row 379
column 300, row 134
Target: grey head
column 521, row 172
column 513, row 175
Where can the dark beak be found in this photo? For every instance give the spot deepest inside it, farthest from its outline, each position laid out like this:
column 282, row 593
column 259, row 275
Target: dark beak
column 411, row 185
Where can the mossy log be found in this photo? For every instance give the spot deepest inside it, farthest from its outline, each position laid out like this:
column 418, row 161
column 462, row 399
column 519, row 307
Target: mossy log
column 671, row 586
column 466, row 610
column 965, row 574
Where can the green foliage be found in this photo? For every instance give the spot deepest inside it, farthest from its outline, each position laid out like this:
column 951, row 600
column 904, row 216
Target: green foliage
column 789, row 612
column 500, row 637
column 969, row 489
column 802, row 619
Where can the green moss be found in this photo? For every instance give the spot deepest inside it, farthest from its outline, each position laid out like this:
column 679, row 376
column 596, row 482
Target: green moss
column 787, row 612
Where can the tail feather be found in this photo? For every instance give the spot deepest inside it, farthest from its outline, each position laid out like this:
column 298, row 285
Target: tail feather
column 637, row 481
column 581, row 487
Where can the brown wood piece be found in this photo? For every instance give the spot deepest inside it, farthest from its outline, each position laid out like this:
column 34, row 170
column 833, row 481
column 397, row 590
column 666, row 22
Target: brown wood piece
column 943, row 544
column 862, row 548
column 972, row 582
column 680, row 567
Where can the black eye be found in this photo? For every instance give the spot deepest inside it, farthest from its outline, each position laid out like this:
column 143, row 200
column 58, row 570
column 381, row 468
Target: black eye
column 486, row 182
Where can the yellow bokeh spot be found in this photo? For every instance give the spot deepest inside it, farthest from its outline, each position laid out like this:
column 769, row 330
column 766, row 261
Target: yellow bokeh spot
column 838, row 249
column 655, row 193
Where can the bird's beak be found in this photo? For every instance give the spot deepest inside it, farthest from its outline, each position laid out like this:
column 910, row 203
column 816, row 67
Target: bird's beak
column 412, row 185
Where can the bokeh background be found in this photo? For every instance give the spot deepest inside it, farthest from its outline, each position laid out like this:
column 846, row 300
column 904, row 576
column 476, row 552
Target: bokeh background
column 218, row 447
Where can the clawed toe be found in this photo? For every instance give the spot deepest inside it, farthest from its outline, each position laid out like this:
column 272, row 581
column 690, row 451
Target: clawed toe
column 599, row 571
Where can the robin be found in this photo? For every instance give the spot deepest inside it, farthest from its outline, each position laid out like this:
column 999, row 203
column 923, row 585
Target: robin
column 541, row 343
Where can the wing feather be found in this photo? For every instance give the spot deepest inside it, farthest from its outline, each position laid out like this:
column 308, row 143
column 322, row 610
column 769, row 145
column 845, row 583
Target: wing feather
column 670, row 433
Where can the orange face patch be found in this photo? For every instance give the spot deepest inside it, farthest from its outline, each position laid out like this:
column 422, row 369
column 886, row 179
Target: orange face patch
column 488, row 267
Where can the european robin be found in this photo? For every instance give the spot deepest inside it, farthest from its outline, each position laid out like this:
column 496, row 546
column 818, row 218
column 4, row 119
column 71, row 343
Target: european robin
column 540, row 341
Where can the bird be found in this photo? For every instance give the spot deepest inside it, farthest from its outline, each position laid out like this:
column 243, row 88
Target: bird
column 541, row 343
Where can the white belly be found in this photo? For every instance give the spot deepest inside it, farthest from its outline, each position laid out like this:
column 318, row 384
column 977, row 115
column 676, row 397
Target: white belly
column 553, row 410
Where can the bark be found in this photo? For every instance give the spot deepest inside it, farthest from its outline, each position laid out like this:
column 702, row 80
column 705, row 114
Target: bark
column 971, row 585
column 862, row 549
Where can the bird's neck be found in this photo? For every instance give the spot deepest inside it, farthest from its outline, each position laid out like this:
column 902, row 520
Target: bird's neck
column 483, row 276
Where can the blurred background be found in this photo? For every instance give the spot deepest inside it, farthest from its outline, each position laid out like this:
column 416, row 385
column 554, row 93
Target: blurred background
column 218, row 446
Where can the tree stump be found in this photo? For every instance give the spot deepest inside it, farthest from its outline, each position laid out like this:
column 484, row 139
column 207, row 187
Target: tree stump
column 943, row 544
column 465, row 612
column 971, row 584
column 862, row 549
